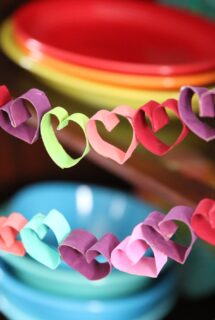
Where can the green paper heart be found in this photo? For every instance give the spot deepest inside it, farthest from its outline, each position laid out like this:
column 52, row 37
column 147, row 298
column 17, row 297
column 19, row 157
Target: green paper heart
column 51, row 143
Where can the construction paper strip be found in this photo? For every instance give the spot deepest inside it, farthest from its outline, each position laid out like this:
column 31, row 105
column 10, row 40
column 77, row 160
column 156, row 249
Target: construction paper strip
column 159, row 119
column 110, row 121
column 207, row 110
column 158, row 230
column 15, row 115
column 9, row 229
column 4, row 95
column 35, row 231
column 80, row 250
column 51, row 143
column 203, row 220
column 130, row 256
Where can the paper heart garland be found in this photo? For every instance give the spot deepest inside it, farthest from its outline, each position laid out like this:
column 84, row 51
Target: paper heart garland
column 9, row 229
column 4, row 95
column 203, row 220
column 110, row 121
column 80, row 249
column 35, row 231
column 130, row 256
column 51, row 143
column 207, row 109
column 159, row 119
column 14, row 115
column 159, row 228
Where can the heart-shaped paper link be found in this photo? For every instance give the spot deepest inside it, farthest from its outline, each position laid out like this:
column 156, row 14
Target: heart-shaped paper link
column 4, row 95
column 159, row 228
column 80, row 249
column 51, row 143
column 14, row 115
column 35, row 231
column 130, row 256
column 207, row 109
column 110, row 121
column 9, row 229
column 203, row 220
column 159, row 119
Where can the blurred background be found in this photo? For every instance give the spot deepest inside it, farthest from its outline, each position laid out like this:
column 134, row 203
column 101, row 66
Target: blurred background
column 102, row 54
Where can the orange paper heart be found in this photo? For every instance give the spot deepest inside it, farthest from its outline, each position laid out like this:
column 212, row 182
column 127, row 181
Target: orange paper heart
column 9, row 228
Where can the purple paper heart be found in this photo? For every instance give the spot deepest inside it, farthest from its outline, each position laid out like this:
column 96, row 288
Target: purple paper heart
column 14, row 115
column 80, row 249
column 207, row 109
column 159, row 228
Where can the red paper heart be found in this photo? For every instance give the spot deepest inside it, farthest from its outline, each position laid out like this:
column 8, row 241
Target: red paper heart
column 4, row 95
column 159, row 119
column 203, row 220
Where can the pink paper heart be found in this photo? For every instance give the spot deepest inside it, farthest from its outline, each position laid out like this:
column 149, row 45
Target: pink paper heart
column 80, row 249
column 129, row 256
column 110, row 121
column 159, row 228
column 9, row 228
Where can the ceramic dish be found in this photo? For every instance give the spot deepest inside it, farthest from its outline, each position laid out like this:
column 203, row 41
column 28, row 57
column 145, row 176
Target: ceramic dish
column 92, row 93
column 127, row 37
column 113, row 78
column 42, row 306
column 101, row 211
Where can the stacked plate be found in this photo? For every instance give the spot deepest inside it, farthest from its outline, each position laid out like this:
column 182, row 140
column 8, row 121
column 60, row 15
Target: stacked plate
column 30, row 291
column 106, row 53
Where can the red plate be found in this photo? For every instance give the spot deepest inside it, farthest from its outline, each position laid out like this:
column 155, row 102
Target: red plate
column 120, row 36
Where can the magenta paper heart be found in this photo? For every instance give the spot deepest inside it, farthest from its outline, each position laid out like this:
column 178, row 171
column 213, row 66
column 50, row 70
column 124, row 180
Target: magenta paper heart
column 159, row 228
column 15, row 116
column 207, row 109
column 80, row 249
column 110, row 120
column 130, row 256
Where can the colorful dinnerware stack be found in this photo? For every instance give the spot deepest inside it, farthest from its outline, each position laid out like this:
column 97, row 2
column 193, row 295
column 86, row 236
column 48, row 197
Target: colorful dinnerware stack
column 30, row 290
column 106, row 53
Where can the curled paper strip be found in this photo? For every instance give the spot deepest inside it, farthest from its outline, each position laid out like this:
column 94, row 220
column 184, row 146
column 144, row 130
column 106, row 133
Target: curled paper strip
column 203, row 220
column 207, row 109
column 159, row 228
column 35, row 231
column 4, row 95
column 9, row 229
column 51, row 143
column 80, row 250
column 14, row 118
column 159, row 119
column 14, row 115
column 130, row 256
column 110, row 121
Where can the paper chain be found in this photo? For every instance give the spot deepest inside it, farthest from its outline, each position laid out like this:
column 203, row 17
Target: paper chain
column 15, row 116
column 80, row 249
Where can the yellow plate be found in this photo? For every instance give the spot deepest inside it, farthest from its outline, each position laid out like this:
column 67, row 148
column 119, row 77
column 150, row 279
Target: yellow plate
column 92, row 93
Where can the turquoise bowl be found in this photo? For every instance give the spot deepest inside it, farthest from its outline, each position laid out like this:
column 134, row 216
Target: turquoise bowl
column 18, row 301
